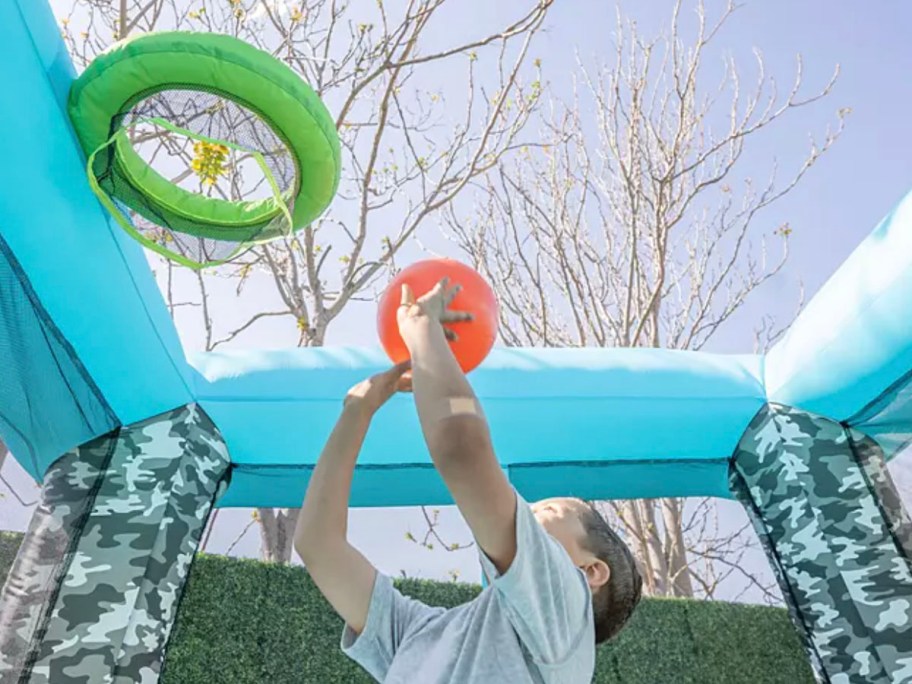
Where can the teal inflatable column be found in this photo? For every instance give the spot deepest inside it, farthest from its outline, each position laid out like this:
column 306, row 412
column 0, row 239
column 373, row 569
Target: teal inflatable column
column 94, row 590
column 824, row 506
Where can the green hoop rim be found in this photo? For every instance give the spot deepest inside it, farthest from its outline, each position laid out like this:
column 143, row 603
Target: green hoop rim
column 140, row 67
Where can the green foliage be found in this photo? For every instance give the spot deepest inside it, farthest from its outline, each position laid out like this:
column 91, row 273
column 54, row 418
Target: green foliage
column 9, row 544
column 248, row 622
column 704, row 642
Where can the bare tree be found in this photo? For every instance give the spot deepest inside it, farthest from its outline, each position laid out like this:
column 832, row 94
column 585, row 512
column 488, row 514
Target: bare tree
column 637, row 225
column 411, row 145
column 431, row 538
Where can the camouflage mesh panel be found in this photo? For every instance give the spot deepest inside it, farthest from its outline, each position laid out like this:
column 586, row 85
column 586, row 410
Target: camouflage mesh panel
column 32, row 581
column 119, row 525
column 824, row 506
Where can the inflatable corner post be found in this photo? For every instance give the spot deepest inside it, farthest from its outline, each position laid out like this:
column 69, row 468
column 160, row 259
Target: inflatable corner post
column 135, row 444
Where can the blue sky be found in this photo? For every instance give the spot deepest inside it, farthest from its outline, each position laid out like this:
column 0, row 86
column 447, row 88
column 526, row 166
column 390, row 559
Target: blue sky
column 838, row 203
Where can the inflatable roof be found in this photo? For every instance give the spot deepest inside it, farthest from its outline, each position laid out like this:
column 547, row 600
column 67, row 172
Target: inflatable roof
column 88, row 345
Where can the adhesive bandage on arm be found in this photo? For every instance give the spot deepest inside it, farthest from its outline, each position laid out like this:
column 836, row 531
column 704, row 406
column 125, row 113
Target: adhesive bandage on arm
column 451, row 407
column 462, row 406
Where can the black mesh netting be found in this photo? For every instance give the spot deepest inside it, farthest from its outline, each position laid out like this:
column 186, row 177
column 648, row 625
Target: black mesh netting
column 48, row 402
column 202, row 167
column 888, row 419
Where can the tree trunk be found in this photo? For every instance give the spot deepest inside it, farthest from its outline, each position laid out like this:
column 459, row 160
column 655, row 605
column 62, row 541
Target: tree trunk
column 636, row 535
column 680, row 581
column 277, row 527
column 653, row 545
column 662, row 553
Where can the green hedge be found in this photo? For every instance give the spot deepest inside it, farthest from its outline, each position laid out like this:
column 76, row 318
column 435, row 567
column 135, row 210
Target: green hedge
column 247, row 622
column 9, row 543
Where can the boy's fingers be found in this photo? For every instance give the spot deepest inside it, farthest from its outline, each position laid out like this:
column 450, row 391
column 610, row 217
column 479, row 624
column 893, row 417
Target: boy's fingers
column 438, row 288
column 450, row 335
column 404, row 383
column 458, row 316
column 408, row 297
column 451, row 293
column 401, row 367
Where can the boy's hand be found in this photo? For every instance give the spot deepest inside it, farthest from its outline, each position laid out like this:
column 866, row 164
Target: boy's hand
column 413, row 315
column 374, row 392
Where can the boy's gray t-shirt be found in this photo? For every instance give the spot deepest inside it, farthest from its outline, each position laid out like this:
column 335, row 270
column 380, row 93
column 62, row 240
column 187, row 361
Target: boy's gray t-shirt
column 532, row 624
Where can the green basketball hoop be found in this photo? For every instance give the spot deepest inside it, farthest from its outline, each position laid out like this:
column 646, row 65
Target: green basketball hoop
column 213, row 103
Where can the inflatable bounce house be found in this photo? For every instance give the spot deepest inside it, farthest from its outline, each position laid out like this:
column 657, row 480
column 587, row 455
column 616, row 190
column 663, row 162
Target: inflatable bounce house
column 135, row 442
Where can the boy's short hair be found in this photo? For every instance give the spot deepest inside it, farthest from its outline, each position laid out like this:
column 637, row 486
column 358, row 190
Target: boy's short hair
column 613, row 603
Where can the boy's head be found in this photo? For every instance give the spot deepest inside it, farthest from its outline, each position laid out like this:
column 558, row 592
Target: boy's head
column 595, row 548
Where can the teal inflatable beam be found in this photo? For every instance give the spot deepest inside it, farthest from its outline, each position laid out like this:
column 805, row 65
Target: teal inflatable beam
column 93, row 282
column 853, row 341
column 595, row 423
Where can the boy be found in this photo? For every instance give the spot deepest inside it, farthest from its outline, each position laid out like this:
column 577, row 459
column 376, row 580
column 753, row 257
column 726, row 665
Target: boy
column 560, row 579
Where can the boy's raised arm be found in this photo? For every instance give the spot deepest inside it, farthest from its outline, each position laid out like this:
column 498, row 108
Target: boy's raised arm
column 455, row 428
column 343, row 575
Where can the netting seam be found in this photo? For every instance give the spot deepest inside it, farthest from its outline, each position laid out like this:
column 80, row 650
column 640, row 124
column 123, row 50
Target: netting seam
column 509, row 466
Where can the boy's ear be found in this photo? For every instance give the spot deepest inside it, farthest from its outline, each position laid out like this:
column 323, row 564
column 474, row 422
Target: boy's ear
column 597, row 572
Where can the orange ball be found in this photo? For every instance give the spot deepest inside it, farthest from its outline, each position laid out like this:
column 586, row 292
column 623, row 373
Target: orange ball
column 475, row 338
